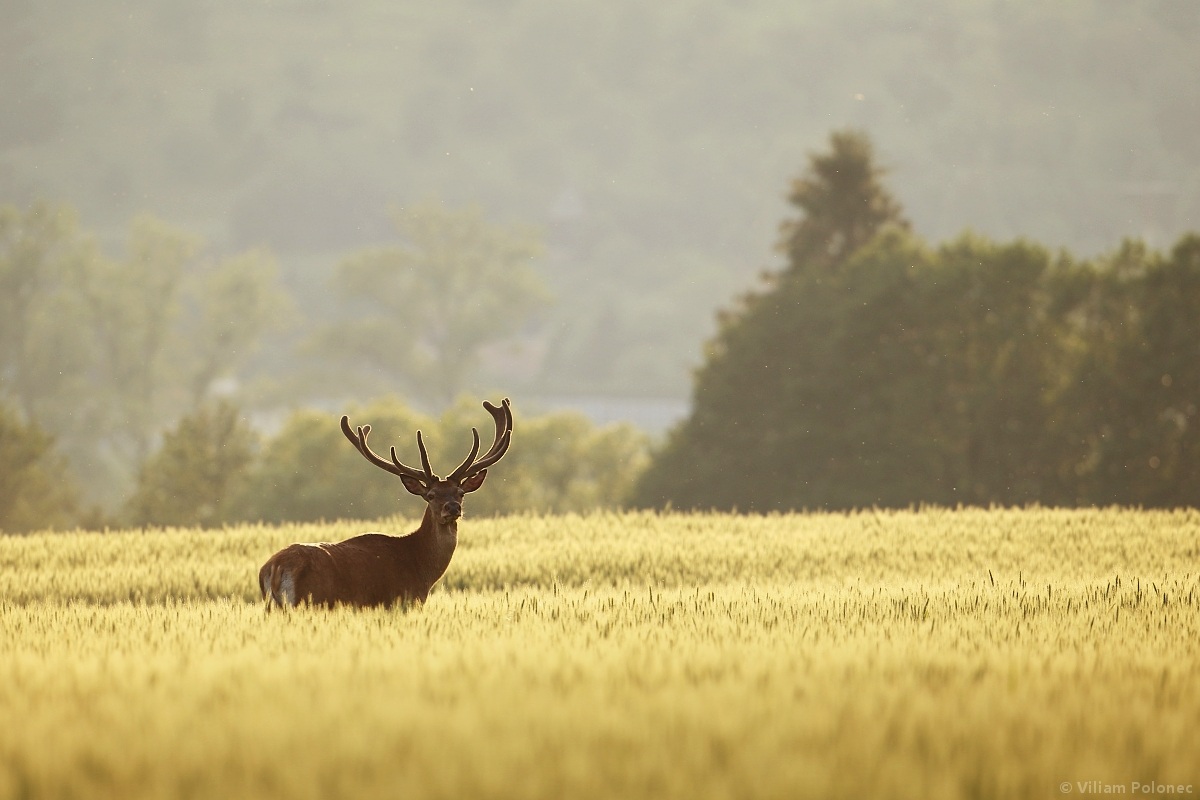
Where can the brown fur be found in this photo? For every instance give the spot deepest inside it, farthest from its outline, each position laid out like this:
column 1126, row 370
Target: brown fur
column 373, row 569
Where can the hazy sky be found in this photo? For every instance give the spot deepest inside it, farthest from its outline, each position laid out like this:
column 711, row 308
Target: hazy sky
column 652, row 145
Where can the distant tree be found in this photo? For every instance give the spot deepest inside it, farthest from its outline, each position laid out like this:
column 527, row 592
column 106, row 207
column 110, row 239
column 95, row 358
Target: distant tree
column 234, row 303
column 842, row 204
column 106, row 351
column 41, row 347
column 166, row 322
column 133, row 305
column 420, row 312
column 769, row 402
column 910, row 375
column 562, row 462
column 36, row 491
column 309, row 471
column 558, row 463
column 191, row 479
column 987, row 336
column 1137, row 380
column 972, row 373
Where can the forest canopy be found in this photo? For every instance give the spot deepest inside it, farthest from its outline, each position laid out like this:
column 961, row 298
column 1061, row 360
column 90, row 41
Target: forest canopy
column 970, row 372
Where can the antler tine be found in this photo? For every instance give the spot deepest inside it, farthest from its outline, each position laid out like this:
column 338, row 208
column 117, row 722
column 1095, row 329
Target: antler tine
column 425, row 457
column 462, row 468
column 502, row 415
column 428, row 476
column 359, row 440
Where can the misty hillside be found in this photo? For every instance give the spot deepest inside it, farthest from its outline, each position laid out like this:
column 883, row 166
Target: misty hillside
column 652, row 144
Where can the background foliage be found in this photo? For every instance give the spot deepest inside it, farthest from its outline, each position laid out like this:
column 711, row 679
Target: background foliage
column 33, row 492
column 649, row 142
column 874, row 369
column 972, row 372
column 211, row 469
column 422, row 315
column 196, row 472
column 106, row 351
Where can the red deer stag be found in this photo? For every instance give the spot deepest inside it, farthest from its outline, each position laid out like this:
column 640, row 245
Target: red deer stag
column 375, row 569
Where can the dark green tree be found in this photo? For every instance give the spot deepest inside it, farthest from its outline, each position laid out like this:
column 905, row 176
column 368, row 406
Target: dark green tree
column 770, row 405
column 842, row 203
column 990, row 338
column 889, row 374
column 35, row 490
column 1137, row 381
column 909, row 375
column 191, row 479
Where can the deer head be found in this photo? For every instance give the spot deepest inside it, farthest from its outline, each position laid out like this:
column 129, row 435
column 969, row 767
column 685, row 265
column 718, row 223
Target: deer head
column 444, row 495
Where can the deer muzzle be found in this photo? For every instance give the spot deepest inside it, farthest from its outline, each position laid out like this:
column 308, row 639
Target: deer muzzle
column 451, row 511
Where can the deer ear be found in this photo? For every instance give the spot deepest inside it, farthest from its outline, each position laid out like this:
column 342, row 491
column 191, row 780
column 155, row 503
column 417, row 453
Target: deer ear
column 474, row 482
column 413, row 485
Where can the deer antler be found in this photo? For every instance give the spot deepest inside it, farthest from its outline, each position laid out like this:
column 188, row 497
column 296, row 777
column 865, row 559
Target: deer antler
column 359, row 440
column 502, row 416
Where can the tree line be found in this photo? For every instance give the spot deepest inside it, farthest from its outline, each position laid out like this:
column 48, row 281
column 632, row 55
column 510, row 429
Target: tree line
column 213, row 468
column 126, row 378
column 876, row 369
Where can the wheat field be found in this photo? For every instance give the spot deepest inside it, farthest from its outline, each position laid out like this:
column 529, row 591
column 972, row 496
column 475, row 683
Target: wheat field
column 919, row 654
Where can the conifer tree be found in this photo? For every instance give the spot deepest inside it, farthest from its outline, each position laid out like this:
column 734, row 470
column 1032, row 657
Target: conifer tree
column 773, row 377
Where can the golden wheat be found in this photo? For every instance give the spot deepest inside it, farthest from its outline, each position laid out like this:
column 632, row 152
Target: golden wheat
column 925, row 654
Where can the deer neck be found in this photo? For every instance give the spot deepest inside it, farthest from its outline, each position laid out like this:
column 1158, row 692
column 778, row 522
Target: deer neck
column 439, row 541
